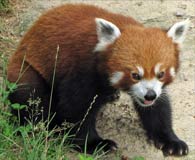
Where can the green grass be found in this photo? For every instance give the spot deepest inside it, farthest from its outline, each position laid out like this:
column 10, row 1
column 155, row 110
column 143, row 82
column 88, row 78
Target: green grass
column 138, row 158
column 5, row 6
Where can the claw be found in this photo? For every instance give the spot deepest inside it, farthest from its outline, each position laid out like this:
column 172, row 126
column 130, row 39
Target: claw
column 180, row 152
column 114, row 148
column 170, row 151
column 161, row 146
column 177, row 148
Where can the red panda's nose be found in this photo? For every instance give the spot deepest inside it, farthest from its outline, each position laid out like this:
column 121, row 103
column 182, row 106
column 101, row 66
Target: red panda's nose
column 150, row 95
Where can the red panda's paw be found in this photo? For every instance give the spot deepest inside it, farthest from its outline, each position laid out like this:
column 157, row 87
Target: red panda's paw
column 175, row 148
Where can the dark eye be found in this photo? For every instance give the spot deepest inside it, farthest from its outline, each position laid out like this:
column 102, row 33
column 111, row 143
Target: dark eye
column 160, row 75
column 136, row 76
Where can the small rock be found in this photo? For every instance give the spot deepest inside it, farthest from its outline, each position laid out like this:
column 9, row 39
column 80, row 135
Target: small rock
column 179, row 14
column 182, row 6
column 190, row 65
column 124, row 158
column 22, row 33
column 139, row 3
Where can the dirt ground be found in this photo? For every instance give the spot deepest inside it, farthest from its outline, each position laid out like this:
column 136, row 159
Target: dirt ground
column 119, row 120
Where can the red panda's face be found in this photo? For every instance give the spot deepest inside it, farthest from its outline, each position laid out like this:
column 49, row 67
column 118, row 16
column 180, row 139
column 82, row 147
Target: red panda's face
column 143, row 60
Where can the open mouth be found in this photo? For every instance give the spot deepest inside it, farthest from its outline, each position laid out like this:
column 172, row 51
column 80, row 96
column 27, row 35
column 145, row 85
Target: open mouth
column 145, row 103
column 142, row 101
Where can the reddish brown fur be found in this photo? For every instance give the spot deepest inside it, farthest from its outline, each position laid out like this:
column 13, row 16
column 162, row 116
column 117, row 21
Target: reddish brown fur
column 145, row 47
column 82, row 74
column 67, row 31
column 137, row 45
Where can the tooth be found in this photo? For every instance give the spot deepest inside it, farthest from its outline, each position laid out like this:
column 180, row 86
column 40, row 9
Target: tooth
column 186, row 151
column 180, row 152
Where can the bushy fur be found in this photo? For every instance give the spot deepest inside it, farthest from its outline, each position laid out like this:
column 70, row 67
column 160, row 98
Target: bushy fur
column 81, row 74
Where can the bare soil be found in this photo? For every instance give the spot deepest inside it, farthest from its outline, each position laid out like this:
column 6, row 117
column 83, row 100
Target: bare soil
column 119, row 120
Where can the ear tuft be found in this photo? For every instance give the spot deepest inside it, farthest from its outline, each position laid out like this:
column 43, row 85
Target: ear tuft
column 116, row 77
column 178, row 31
column 107, row 33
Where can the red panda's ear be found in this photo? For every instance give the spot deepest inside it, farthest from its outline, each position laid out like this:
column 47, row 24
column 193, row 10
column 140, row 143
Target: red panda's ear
column 107, row 33
column 178, row 31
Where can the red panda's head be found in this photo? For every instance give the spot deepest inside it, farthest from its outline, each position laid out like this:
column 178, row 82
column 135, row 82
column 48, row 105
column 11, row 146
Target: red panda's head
column 140, row 60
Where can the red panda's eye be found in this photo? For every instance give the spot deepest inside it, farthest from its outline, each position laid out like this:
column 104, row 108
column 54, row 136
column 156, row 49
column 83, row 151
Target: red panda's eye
column 136, row 76
column 160, row 75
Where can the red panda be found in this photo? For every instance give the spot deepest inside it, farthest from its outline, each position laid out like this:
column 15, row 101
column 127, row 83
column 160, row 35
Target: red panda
column 95, row 52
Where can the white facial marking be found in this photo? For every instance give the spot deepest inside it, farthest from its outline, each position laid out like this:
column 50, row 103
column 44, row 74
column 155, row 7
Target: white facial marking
column 140, row 89
column 172, row 71
column 116, row 77
column 107, row 33
column 178, row 31
column 141, row 70
column 157, row 68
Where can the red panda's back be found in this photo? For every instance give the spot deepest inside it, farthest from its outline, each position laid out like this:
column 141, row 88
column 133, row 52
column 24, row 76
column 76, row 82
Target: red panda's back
column 73, row 29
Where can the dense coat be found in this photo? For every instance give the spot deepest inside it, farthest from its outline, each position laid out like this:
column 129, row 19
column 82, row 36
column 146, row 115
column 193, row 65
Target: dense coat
column 78, row 52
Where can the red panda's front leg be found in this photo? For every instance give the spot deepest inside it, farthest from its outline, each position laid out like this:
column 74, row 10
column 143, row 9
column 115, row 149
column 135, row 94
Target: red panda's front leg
column 77, row 104
column 87, row 133
column 158, row 125
column 84, row 130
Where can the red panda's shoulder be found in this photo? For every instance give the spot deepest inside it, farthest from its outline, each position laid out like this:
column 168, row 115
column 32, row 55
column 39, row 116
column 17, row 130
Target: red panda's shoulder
column 73, row 28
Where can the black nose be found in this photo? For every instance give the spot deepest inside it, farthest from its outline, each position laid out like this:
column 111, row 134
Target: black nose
column 150, row 95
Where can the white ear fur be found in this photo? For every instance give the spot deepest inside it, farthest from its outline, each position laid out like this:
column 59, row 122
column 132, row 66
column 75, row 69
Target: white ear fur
column 107, row 33
column 116, row 77
column 178, row 31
